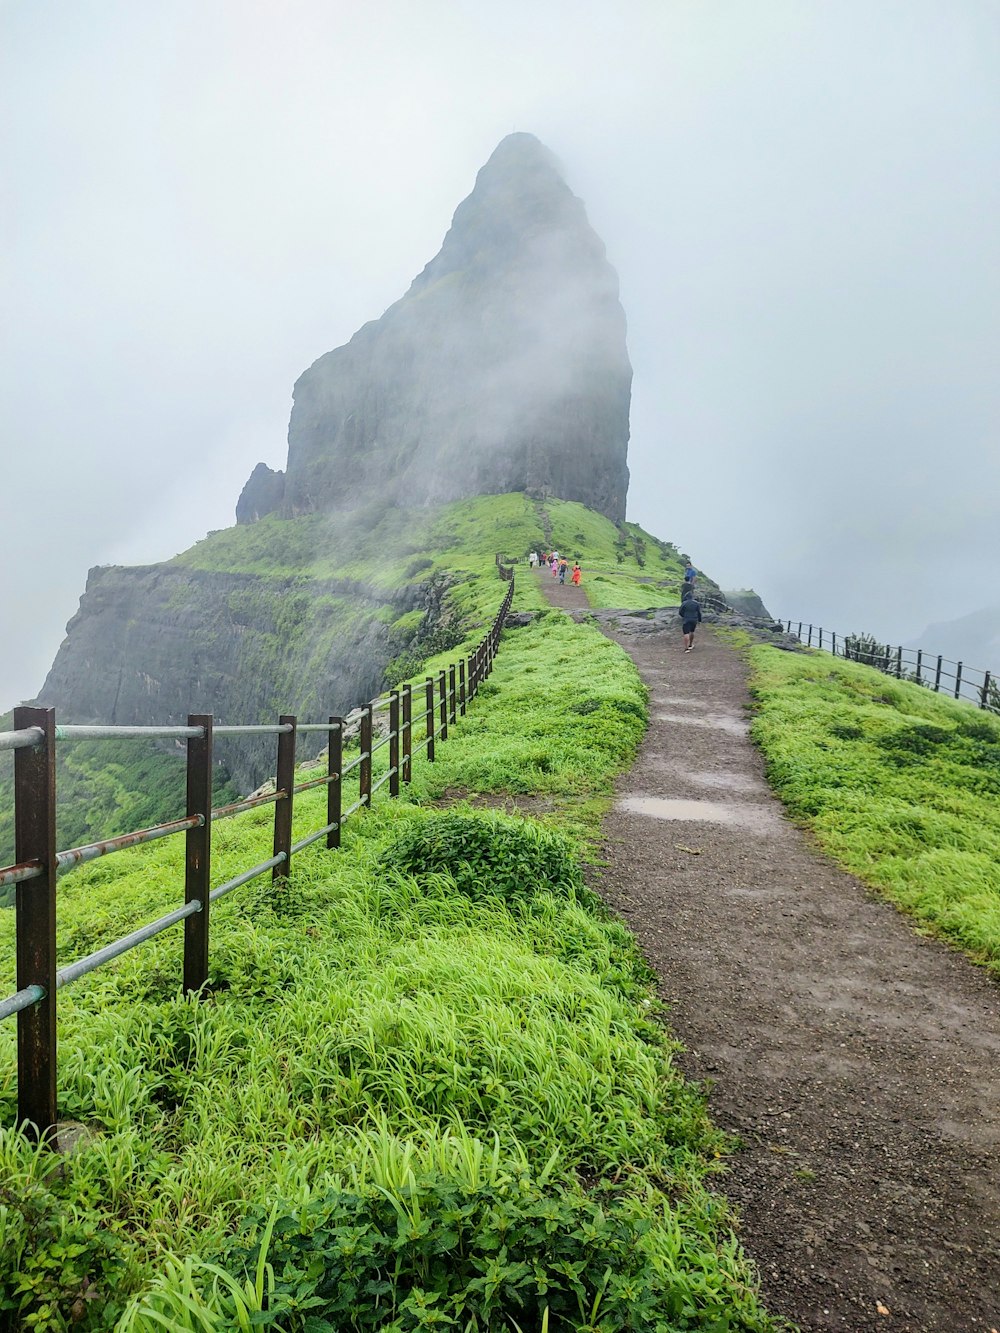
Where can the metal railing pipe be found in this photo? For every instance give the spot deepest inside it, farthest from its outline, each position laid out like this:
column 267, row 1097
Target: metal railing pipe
column 78, row 856
column 24, row 999
column 95, row 960
column 74, row 732
column 25, row 738
column 238, row 880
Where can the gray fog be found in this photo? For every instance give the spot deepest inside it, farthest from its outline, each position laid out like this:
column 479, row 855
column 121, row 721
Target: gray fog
column 800, row 198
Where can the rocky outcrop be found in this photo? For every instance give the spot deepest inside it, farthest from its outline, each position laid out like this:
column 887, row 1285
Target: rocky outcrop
column 262, row 494
column 155, row 643
column 503, row 368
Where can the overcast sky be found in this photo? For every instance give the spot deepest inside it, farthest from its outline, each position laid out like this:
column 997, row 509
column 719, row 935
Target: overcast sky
column 800, row 197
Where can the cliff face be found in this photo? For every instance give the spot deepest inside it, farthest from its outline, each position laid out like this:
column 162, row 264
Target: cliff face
column 503, row 368
column 154, row 643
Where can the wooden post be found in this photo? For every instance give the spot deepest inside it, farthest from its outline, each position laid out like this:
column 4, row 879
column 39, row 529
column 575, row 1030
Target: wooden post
column 284, row 781
column 984, row 694
column 452, row 693
column 899, row 662
column 394, row 742
column 937, row 675
column 809, row 644
column 920, row 658
column 335, row 787
column 35, row 924
column 461, row 687
column 198, row 852
column 958, row 680
column 365, row 767
column 407, row 733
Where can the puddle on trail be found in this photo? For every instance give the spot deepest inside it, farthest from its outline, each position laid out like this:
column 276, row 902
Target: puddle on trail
column 756, row 818
column 720, row 780
column 736, row 726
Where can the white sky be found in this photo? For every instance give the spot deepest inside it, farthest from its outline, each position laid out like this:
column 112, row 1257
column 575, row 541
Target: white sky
column 800, row 197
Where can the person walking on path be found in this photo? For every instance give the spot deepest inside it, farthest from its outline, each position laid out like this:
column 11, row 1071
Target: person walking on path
column 577, row 575
column 690, row 574
column 533, row 559
column 690, row 614
column 563, row 569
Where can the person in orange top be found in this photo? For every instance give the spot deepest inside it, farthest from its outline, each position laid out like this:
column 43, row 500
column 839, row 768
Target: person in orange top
column 577, row 575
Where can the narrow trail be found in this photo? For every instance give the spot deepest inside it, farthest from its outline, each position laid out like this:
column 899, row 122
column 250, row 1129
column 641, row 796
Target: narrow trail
column 858, row 1062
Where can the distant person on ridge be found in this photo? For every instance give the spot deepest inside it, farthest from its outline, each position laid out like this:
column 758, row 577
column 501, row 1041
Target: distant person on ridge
column 690, row 614
column 533, row 559
column 690, row 574
column 577, row 575
column 563, row 569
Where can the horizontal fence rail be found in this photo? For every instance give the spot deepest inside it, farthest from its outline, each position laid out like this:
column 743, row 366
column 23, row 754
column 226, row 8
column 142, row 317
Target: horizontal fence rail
column 437, row 704
column 974, row 685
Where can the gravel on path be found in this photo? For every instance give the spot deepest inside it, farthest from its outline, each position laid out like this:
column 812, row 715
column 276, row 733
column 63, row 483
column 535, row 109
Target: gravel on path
column 857, row 1061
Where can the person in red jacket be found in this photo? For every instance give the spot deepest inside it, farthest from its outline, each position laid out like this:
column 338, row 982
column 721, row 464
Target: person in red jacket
column 577, row 575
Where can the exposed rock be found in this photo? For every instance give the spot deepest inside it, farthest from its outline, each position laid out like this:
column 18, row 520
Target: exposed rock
column 262, row 494
column 503, row 368
column 746, row 601
column 155, row 643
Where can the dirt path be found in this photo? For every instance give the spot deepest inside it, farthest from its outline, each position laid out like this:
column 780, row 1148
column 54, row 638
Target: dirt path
column 858, row 1063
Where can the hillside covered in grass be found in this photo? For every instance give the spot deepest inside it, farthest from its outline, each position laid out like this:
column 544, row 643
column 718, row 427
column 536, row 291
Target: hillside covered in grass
column 900, row 785
column 428, row 1087
column 310, row 616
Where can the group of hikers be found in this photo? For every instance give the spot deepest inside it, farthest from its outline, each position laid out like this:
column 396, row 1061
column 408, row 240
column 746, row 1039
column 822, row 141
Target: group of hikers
column 689, row 609
column 558, row 564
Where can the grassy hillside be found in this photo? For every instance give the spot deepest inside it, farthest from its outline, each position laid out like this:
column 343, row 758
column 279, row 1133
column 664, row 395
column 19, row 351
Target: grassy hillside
column 900, row 785
column 429, row 1086
column 290, row 624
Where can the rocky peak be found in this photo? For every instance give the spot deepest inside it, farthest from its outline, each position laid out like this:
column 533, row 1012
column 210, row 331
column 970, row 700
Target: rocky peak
column 503, row 368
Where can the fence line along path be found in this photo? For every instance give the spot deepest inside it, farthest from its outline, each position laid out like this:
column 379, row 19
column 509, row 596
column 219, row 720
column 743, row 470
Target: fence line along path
column 433, row 707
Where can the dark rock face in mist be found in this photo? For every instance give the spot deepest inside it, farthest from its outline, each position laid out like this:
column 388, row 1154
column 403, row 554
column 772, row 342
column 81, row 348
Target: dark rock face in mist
column 503, row 368
column 151, row 644
column 261, row 495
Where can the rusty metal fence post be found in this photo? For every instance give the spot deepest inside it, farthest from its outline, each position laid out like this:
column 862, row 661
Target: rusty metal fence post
column 365, row 767
column 407, row 733
column 35, row 907
column 198, row 852
column 335, row 787
column 284, row 781
column 429, row 716
column 443, row 702
column 394, row 742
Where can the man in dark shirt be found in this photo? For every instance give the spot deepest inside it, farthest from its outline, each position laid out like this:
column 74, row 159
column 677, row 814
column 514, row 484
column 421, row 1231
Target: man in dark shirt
column 690, row 613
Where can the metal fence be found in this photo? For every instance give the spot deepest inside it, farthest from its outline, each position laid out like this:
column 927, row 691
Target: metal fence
column 437, row 703
column 935, row 672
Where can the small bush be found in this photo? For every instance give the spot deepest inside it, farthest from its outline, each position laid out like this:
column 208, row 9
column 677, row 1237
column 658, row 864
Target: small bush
column 487, row 854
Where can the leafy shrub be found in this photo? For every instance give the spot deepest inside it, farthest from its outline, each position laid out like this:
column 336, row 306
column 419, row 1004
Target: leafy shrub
column 486, row 854
column 436, row 1253
column 417, row 566
column 59, row 1268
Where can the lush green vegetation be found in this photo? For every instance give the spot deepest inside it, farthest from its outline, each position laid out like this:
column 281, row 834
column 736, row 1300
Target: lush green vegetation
column 901, row 785
column 428, row 1087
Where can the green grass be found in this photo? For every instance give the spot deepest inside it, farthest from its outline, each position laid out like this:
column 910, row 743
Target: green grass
column 900, row 785
column 441, row 1093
